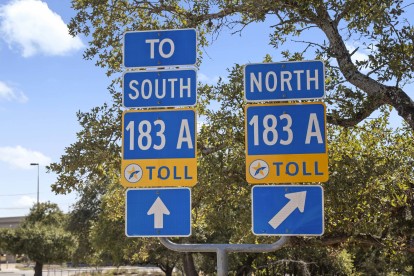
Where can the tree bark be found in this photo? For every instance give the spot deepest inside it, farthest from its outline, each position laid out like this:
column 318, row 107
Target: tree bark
column 189, row 267
column 38, row 269
column 168, row 270
column 246, row 268
column 379, row 93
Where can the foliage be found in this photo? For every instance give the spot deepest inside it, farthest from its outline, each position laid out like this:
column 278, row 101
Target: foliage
column 357, row 87
column 369, row 196
column 367, row 199
column 84, row 212
column 41, row 236
column 91, row 167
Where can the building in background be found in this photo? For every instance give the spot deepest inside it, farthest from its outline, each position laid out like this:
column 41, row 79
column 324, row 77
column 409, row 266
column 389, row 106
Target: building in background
column 9, row 222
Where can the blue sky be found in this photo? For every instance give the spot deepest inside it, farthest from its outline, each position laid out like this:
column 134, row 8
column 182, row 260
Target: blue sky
column 44, row 81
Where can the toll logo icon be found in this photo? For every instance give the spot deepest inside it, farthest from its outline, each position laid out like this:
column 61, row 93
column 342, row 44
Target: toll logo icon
column 133, row 173
column 259, row 169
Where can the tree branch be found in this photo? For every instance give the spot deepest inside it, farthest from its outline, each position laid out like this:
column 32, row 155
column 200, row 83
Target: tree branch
column 368, row 106
column 374, row 89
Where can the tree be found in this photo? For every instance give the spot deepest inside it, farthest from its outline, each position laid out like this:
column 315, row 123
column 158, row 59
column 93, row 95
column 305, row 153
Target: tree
column 42, row 237
column 83, row 214
column 360, row 86
column 370, row 163
column 368, row 196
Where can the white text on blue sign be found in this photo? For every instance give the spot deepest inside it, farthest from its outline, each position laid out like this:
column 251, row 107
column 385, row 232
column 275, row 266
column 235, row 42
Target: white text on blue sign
column 284, row 81
column 160, row 48
column 160, row 88
column 286, row 129
column 286, row 143
column 159, row 134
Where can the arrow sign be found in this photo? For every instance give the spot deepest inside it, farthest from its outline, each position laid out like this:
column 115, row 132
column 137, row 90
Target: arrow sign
column 280, row 210
column 158, row 209
column 297, row 200
column 147, row 215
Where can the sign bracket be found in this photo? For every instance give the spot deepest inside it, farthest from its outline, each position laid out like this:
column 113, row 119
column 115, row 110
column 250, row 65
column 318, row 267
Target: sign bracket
column 222, row 249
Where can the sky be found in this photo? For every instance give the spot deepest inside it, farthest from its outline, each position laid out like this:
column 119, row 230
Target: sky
column 44, row 81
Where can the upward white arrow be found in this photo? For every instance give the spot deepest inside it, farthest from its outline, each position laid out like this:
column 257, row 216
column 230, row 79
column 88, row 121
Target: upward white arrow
column 297, row 200
column 158, row 209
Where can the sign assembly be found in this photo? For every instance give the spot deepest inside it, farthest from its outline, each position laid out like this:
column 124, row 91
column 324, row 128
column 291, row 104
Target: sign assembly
column 155, row 212
column 291, row 210
column 286, row 143
column 159, row 148
column 284, row 81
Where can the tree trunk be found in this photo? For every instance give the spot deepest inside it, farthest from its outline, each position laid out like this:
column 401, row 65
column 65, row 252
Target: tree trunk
column 168, row 271
column 189, row 267
column 246, row 268
column 38, row 269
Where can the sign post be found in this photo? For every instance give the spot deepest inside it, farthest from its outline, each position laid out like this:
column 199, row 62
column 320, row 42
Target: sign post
column 284, row 143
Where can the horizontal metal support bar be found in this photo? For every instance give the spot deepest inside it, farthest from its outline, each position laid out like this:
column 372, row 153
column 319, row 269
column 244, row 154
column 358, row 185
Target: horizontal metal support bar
column 248, row 248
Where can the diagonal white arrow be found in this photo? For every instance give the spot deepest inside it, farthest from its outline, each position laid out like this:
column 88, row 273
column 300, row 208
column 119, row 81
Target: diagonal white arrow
column 297, row 200
column 158, row 209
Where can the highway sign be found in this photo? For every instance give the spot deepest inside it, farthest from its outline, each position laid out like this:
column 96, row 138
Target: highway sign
column 162, row 88
column 154, row 212
column 284, row 81
column 286, row 143
column 159, row 148
column 160, row 48
column 288, row 210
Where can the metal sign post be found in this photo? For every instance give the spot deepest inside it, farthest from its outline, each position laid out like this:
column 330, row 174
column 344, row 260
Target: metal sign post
column 284, row 143
column 222, row 249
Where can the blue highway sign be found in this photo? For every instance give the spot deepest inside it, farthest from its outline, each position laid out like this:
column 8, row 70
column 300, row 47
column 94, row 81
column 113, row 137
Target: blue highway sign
column 159, row 148
column 286, row 143
column 159, row 134
column 286, row 128
column 284, row 81
column 160, row 88
column 288, row 210
column 160, row 48
column 162, row 212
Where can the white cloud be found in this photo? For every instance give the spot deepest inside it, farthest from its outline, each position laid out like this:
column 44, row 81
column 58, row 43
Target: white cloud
column 20, row 157
column 34, row 28
column 358, row 55
column 9, row 94
column 24, row 202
